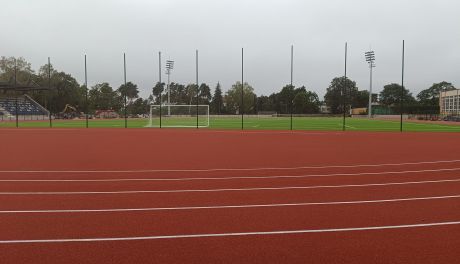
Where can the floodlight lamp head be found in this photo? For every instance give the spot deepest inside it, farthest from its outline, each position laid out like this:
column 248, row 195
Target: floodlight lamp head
column 370, row 56
column 169, row 64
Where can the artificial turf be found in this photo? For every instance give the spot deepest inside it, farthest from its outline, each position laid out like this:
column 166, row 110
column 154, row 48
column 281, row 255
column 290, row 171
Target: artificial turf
column 254, row 123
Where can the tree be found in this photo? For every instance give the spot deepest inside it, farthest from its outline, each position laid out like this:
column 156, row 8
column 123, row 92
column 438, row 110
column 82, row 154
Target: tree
column 265, row 104
column 306, row 102
column 178, row 94
column 190, row 93
column 341, row 91
column 140, row 107
column 204, row 94
column 430, row 96
column 217, row 100
column 24, row 72
column 156, row 91
column 391, row 95
column 64, row 89
column 233, row 98
column 285, row 98
column 129, row 90
column 103, row 97
column 361, row 100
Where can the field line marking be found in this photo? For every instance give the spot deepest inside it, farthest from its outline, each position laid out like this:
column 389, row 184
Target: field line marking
column 232, row 189
column 260, row 233
column 115, row 210
column 229, row 178
column 234, row 169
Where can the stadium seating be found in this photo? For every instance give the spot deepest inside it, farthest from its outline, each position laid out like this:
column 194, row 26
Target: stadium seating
column 25, row 106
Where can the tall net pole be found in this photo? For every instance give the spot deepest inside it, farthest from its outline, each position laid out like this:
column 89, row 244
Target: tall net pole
column 49, row 88
column 197, row 89
column 126, row 89
column 159, row 78
column 402, row 88
column 344, row 87
column 16, row 93
column 292, row 69
column 242, row 89
column 86, row 94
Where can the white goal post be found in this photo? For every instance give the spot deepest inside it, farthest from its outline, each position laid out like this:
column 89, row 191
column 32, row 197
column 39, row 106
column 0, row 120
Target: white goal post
column 178, row 116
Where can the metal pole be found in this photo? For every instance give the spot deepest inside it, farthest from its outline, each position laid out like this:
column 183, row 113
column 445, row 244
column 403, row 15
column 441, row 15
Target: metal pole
column 169, row 91
column 292, row 68
column 242, row 89
column 197, row 89
column 126, row 89
column 343, row 86
column 159, row 78
column 369, row 110
column 49, row 86
column 16, row 93
column 86, row 85
column 402, row 89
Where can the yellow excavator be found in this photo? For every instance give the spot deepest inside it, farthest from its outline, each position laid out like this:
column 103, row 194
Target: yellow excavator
column 69, row 112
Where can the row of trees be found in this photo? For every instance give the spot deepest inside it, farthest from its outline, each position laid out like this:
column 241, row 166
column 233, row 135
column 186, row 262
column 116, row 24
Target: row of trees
column 342, row 91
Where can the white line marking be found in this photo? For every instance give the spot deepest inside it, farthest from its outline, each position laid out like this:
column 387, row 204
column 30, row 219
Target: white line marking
column 225, row 206
column 235, row 169
column 261, row 233
column 230, row 189
column 230, row 178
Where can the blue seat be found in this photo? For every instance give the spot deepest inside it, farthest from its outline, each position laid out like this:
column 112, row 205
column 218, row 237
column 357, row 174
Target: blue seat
column 25, row 106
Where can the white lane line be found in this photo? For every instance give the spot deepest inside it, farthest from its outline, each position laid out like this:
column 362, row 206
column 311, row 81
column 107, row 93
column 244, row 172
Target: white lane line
column 114, row 210
column 234, row 169
column 230, row 178
column 232, row 189
column 261, row 233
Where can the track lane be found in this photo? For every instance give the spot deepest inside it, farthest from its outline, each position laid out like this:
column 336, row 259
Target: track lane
column 296, row 148
column 221, row 183
column 412, row 246
column 176, row 199
column 313, row 171
column 128, row 224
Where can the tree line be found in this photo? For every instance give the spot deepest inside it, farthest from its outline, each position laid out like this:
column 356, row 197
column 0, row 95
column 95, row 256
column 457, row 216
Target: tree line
column 341, row 94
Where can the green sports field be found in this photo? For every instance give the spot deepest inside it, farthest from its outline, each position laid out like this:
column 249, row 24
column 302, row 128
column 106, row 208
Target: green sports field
column 254, row 123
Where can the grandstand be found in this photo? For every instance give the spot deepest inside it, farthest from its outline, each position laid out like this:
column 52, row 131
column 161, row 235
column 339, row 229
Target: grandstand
column 27, row 109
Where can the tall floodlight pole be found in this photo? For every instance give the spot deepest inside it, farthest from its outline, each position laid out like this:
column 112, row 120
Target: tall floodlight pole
column 197, row 88
column 370, row 58
column 292, row 69
column 126, row 89
column 169, row 67
column 49, row 87
column 16, row 93
column 344, row 95
column 242, row 89
column 86, row 94
column 402, row 88
column 159, row 79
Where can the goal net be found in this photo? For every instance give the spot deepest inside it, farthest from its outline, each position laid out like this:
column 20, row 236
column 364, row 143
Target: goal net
column 178, row 116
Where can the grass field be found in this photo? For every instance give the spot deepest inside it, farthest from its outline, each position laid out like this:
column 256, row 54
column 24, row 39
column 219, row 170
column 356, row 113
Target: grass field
column 254, row 123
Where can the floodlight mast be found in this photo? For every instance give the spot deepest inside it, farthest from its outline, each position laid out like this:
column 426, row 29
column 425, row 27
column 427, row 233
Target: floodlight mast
column 169, row 67
column 370, row 58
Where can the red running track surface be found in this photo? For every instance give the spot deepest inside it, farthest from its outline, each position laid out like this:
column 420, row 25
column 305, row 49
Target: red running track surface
column 204, row 196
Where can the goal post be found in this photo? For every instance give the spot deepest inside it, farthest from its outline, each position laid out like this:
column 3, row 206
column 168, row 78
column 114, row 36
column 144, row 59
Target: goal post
column 178, row 116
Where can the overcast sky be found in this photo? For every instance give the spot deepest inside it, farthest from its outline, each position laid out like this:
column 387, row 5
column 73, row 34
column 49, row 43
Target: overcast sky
column 318, row 29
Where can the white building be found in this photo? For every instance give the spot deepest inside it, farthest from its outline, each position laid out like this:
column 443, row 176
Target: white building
column 449, row 102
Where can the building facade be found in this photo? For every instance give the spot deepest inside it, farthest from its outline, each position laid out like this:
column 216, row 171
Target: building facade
column 449, row 102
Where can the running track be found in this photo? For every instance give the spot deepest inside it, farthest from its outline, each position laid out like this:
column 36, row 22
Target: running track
column 188, row 196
